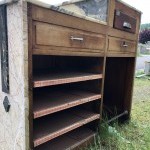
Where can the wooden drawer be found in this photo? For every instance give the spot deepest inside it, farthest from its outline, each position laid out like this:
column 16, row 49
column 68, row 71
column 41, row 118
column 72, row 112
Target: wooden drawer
column 124, row 22
column 126, row 18
column 50, row 35
column 117, row 45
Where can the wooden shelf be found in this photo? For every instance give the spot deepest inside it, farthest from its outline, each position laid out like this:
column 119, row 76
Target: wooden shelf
column 50, row 102
column 69, row 141
column 49, row 79
column 48, row 128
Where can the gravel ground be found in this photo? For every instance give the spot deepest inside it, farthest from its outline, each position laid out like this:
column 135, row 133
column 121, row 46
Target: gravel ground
column 140, row 63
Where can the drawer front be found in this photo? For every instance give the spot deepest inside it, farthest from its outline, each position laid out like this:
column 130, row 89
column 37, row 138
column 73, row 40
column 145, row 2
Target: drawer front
column 118, row 45
column 124, row 22
column 54, row 35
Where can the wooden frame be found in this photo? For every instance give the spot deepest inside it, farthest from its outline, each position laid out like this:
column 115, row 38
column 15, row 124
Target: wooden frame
column 99, row 81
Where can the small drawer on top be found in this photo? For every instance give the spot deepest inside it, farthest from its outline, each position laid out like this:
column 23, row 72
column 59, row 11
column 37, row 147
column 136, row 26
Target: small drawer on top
column 117, row 45
column 50, row 35
column 124, row 22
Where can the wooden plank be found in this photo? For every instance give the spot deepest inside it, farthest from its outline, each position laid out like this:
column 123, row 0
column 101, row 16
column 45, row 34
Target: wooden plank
column 54, row 17
column 66, row 52
column 60, row 123
column 30, row 76
column 67, row 49
column 111, row 12
column 129, row 82
column 50, row 102
column 122, row 34
column 117, row 54
column 70, row 140
column 4, row 49
column 48, row 79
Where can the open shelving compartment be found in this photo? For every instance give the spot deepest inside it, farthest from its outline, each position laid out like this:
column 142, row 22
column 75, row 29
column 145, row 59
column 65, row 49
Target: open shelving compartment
column 118, row 90
column 66, row 99
column 81, row 136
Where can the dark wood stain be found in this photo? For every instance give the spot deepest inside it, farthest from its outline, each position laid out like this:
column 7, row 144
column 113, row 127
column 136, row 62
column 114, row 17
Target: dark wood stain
column 82, row 74
column 121, row 18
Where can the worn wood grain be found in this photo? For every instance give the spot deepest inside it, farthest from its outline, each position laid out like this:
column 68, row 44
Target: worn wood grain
column 118, row 45
column 68, row 121
column 49, row 79
column 129, row 11
column 47, row 102
column 53, row 35
column 74, row 139
column 49, row 34
column 53, row 17
column 121, row 18
column 30, row 77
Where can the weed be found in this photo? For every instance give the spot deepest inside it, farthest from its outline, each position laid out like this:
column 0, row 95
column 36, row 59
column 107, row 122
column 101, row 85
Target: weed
column 134, row 135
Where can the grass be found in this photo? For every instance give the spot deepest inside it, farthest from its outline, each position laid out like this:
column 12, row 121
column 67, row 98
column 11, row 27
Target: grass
column 139, row 72
column 134, row 135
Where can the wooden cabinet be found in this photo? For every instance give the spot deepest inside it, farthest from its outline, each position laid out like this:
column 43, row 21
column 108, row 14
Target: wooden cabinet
column 77, row 70
column 68, row 66
column 66, row 69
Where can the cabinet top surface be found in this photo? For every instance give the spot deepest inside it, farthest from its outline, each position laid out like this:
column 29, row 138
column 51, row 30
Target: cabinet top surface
column 78, row 8
column 75, row 8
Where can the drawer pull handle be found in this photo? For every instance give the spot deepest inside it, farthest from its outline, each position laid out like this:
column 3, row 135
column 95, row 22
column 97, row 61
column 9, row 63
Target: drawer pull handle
column 76, row 38
column 127, row 25
column 125, row 44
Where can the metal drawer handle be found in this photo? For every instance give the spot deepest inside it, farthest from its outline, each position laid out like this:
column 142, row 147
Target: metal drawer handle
column 76, row 38
column 125, row 44
column 127, row 25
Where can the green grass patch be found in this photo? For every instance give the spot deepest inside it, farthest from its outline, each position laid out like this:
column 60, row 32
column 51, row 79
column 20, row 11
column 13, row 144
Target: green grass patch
column 134, row 135
column 139, row 72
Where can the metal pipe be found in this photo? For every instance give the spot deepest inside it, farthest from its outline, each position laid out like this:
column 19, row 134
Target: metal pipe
column 118, row 116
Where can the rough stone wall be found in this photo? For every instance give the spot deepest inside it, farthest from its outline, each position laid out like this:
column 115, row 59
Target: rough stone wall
column 14, row 124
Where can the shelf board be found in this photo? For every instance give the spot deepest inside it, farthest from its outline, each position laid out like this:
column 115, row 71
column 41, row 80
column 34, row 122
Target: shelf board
column 51, row 102
column 70, row 140
column 49, row 79
column 48, row 128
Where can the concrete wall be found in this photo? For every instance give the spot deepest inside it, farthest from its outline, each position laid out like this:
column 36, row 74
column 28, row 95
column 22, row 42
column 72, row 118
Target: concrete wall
column 14, row 124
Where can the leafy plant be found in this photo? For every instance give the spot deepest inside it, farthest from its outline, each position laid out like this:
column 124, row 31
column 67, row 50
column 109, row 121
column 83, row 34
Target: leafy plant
column 144, row 36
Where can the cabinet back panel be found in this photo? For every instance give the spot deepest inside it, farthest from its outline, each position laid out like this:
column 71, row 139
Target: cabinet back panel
column 65, row 63
column 118, row 84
